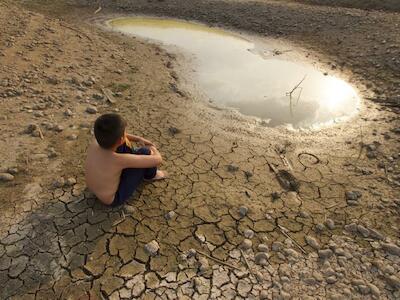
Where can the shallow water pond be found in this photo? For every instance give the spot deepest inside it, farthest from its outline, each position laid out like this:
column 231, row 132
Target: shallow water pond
column 232, row 72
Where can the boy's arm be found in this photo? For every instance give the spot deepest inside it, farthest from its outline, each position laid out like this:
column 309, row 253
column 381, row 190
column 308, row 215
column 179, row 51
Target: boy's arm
column 138, row 139
column 140, row 161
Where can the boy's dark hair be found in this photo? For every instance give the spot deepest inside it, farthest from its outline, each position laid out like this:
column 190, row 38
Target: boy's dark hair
column 108, row 129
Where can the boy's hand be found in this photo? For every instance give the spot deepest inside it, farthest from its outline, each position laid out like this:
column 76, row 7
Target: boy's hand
column 146, row 142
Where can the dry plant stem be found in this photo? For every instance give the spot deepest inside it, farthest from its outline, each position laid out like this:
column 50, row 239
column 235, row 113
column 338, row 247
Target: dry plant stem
column 77, row 31
column 217, row 260
column 118, row 222
column 40, row 133
column 288, row 236
column 247, row 264
column 98, row 10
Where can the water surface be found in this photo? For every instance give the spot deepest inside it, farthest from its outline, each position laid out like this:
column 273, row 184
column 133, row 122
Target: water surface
column 231, row 71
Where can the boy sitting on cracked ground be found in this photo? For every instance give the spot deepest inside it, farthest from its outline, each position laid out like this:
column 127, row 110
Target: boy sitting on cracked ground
column 114, row 169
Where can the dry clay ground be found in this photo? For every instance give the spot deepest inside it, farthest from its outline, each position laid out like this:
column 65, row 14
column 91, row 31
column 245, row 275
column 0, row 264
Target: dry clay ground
column 222, row 225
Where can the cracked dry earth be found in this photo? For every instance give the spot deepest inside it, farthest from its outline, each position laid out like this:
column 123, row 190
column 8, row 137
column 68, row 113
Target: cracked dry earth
column 222, row 226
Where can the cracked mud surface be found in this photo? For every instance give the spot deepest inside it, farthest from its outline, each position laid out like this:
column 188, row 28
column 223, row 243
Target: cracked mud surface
column 58, row 242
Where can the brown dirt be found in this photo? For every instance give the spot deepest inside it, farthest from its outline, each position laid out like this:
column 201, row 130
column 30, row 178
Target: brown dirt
column 58, row 242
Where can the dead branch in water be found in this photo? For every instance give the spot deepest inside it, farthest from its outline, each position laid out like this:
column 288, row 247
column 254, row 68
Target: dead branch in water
column 295, row 88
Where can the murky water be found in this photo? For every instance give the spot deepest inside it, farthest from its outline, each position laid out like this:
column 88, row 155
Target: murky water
column 231, row 71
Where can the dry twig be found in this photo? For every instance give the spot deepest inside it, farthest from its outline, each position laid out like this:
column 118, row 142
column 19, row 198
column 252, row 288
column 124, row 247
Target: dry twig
column 98, row 10
column 217, row 260
column 283, row 231
column 247, row 264
column 77, row 31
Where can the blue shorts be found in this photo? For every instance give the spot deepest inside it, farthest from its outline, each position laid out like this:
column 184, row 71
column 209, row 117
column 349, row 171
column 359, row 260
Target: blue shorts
column 132, row 177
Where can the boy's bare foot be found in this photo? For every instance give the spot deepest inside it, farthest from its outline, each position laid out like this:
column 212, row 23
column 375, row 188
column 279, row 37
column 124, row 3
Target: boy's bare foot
column 160, row 175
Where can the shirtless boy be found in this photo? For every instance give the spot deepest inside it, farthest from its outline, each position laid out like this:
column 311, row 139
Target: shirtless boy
column 113, row 169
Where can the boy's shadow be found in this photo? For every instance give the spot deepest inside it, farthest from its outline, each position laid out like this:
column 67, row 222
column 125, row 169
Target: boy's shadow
column 51, row 242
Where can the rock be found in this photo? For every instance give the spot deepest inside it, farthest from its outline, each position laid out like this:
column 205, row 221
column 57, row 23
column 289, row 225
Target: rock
column 170, row 215
column 363, row 289
column 304, row 214
column 246, row 244
column 6, row 177
column 330, row 224
column 374, row 290
column 91, row 109
column 31, row 128
column 264, row 295
column 391, row 248
column 376, row 234
column 204, row 265
column 325, row 253
column 353, row 195
column 152, row 248
column 393, row 281
column 201, row 238
column 191, row 253
column 243, row 210
column 276, row 246
column 248, row 233
column 13, row 171
column 320, row 227
column 362, row 230
column 312, row 242
column 243, row 288
column 68, row 113
column 70, row 181
column 232, row 168
column 58, row 183
column 261, row 258
column 331, row 279
column 263, row 248
column 351, row 227
column 173, row 130
column 72, row 137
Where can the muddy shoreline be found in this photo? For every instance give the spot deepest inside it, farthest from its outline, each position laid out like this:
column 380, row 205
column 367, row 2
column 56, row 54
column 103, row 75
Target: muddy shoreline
column 331, row 32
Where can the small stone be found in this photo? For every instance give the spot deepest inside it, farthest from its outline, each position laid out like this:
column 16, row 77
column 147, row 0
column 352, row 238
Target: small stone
column 152, row 248
column 363, row 231
column 330, row 224
column 261, row 258
column 263, row 248
column 312, row 242
column 13, row 171
column 204, row 265
column 191, row 253
column 173, row 130
column 391, row 248
column 70, row 181
column 351, row 227
column 6, row 177
column 353, row 195
column 276, row 246
column 264, row 295
column 248, row 233
column 246, row 244
column 170, row 215
column 304, row 214
column 325, row 253
column 91, row 109
column 68, row 113
column 376, row 234
column 72, row 137
column 320, row 227
column 364, row 290
column 243, row 210
column 201, row 238
column 331, row 279
column 58, row 183
column 393, row 281
column 374, row 290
